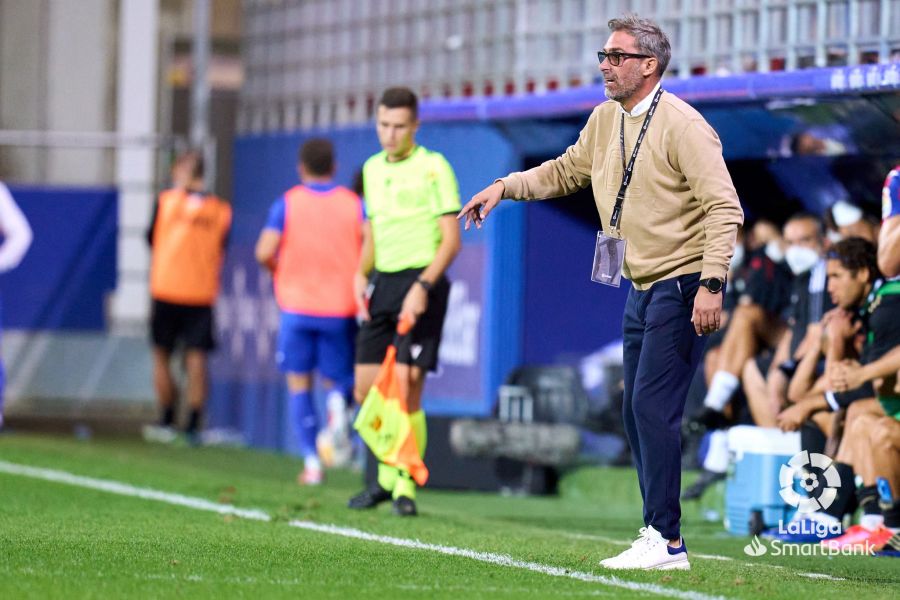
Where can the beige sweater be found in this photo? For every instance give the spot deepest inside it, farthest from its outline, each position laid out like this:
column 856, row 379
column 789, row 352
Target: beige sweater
column 681, row 212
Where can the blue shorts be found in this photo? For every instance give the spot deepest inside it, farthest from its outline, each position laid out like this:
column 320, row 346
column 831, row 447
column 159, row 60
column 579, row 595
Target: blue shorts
column 325, row 344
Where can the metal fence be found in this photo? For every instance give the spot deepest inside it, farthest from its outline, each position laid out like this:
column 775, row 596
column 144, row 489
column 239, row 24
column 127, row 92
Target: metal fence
column 322, row 62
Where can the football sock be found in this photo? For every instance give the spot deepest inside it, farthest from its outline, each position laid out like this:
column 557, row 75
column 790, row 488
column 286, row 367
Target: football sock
column 721, row 388
column 867, row 498
column 387, row 476
column 891, row 514
column 405, row 486
column 194, row 420
column 302, row 415
column 167, row 417
column 846, row 495
column 420, row 430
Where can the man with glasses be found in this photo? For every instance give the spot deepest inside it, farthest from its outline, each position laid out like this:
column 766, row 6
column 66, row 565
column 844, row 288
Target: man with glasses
column 670, row 216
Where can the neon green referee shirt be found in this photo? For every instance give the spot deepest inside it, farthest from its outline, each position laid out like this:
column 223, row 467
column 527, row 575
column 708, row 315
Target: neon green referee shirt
column 403, row 202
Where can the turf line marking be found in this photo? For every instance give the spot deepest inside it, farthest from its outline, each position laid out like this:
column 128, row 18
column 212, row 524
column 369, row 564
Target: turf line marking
column 124, row 489
column 502, row 560
column 711, row 556
column 597, row 538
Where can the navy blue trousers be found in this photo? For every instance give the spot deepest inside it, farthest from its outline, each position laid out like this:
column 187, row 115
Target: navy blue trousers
column 662, row 351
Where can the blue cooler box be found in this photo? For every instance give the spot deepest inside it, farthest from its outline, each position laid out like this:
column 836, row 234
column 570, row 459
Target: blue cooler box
column 752, row 488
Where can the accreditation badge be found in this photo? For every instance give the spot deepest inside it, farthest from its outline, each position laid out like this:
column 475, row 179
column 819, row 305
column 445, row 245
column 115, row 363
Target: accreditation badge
column 609, row 258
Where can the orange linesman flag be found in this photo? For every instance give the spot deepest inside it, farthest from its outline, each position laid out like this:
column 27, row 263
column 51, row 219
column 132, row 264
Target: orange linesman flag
column 383, row 420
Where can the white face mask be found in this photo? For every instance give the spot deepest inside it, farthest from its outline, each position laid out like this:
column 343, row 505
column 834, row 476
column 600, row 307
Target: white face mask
column 801, row 259
column 774, row 251
column 737, row 259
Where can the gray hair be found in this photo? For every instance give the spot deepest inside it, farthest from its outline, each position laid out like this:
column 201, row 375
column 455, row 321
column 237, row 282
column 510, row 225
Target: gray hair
column 648, row 37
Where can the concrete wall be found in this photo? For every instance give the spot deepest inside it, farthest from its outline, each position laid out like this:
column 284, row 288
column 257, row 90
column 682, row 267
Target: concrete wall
column 22, row 82
column 57, row 66
column 80, row 73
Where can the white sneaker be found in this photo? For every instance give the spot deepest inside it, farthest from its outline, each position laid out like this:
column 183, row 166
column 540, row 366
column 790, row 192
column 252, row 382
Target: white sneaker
column 650, row 551
column 159, row 434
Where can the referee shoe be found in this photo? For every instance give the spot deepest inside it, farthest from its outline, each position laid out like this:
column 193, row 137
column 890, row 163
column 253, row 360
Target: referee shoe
column 369, row 498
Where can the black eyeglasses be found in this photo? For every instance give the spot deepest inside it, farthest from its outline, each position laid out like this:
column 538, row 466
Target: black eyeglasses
column 616, row 58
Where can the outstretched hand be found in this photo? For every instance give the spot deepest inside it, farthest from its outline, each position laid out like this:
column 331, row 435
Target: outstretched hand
column 481, row 204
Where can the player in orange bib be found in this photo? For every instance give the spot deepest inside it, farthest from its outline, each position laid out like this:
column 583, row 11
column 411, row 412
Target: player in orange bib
column 311, row 244
column 187, row 236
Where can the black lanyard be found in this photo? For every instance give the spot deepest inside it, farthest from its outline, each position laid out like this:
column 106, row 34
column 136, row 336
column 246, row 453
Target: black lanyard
column 628, row 171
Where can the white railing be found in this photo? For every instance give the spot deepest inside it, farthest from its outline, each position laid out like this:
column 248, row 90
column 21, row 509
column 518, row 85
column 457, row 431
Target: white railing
column 323, row 62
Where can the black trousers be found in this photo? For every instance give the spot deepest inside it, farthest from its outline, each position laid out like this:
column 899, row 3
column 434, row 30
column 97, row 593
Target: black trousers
column 661, row 353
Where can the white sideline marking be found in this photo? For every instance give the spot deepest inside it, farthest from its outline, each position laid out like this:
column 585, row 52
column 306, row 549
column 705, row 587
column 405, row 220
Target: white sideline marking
column 598, row 538
column 123, row 489
column 503, row 560
column 821, row 576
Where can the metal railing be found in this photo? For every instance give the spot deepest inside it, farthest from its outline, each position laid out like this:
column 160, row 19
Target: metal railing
column 109, row 153
column 323, row 62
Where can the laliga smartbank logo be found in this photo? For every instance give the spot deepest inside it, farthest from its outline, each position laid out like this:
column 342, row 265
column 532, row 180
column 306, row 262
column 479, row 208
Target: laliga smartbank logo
column 827, row 483
column 820, row 480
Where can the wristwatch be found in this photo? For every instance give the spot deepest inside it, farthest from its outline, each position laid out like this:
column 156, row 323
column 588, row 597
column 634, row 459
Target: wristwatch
column 424, row 283
column 713, row 284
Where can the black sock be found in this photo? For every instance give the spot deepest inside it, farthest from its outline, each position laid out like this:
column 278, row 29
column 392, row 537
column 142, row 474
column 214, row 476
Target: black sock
column 891, row 514
column 194, row 420
column 867, row 498
column 168, row 416
column 845, row 500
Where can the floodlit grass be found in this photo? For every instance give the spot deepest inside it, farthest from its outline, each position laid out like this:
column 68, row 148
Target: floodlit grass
column 58, row 540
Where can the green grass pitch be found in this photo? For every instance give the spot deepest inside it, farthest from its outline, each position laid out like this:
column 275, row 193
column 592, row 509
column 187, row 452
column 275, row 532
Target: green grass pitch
column 63, row 541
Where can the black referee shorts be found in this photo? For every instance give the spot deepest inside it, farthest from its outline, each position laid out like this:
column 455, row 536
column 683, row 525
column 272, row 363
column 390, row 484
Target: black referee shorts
column 192, row 326
column 420, row 347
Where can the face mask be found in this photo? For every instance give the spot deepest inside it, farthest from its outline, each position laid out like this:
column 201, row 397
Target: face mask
column 774, row 251
column 834, row 237
column 801, row 259
column 737, row 259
